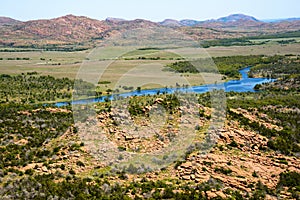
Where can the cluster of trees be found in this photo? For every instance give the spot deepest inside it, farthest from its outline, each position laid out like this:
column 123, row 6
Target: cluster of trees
column 283, row 95
column 17, row 58
column 27, row 88
column 18, row 50
column 287, row 140
column 32, row 88
column 290, row 34
column 228, row 65
column 183, row 67
column 241, row 42
column 33, row 126
column 72, row 187
column 137, row 105
column 245, row 41
column 286, row 41
column 290, row 179
column 46, row 47
column 228, row 42
column 285, row 66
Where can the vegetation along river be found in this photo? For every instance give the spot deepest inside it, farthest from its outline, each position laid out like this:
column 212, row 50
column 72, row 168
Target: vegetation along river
column 245, row 84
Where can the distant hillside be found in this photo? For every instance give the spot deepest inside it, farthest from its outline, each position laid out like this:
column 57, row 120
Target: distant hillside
column 235, row 20
column 171, row 23
column 112, row 19
column 121, row 25
column 66, row 28
column 237, row 17
column 8, row 21
column 282, row 20
column 189, row 22
column 241, row 22
column 80, row 30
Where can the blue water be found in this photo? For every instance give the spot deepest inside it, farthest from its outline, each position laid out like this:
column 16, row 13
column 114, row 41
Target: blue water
column 245, row 84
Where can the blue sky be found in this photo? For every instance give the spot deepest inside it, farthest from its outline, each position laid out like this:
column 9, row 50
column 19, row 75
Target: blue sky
column 155, row 10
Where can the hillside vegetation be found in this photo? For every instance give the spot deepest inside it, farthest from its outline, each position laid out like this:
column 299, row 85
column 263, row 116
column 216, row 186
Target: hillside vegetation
column 228, row 65
column 256, row 155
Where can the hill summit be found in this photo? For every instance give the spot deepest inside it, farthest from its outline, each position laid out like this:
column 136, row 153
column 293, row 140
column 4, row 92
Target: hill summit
column 237, row 17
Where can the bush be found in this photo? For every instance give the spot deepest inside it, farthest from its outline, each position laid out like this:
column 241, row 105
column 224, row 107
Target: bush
column 80, row 164
column 234, row 144
column 289, row 179
column 62, row 166
column 254, row 174
column 72, row 172
column 223, row 170
column 29, row 172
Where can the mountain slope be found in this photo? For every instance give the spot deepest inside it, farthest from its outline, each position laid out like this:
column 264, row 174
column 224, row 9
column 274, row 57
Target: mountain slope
column 189, row 22
column 237, row 17
column 113, row 19
column 66, row 28
column 235, row 20
column 74, row 30
column 8, row 21
column 170, row 23
column 244, row 23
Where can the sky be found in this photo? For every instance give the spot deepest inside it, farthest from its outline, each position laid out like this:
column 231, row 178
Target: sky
column 154, row 10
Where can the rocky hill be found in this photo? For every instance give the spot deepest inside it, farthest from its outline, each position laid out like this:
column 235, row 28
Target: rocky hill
column 242, row 22
column 171, row 23
column 68, row 28
column 245, row 23
column 237, row 17
column 8, row 21
column 81, row 30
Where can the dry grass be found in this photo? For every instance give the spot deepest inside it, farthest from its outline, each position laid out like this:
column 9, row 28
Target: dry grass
column 67, row 64
column 255, row 50
column 58, row 64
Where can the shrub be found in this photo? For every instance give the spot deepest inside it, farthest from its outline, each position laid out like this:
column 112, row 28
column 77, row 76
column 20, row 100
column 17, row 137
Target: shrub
column 80, row 164
column 289, row 179
column 223, row 170
column 29, row 172
column 234, row 144
column 62, row 166
column 254, row 174
column 72, row 172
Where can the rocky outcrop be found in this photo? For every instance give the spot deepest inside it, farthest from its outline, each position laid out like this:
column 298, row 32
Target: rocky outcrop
column 241, row 162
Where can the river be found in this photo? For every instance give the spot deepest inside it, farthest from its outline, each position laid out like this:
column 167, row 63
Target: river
column 245, row 84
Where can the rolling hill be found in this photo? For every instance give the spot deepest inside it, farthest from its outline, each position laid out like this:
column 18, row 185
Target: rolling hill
column 8, row 21
column 80, row 30
column 237, row 17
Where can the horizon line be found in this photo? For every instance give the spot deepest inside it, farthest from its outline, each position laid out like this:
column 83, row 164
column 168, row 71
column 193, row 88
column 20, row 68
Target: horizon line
column 161, row 20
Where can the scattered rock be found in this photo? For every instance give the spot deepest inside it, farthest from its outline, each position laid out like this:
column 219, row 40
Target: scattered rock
column 186, row 177
column 211, row 195
column 44, row 169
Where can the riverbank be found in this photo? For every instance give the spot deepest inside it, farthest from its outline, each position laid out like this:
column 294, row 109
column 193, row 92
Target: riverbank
column 245, row 84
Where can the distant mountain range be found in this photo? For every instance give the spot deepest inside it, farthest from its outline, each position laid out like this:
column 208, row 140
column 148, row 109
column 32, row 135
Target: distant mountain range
column 234, row 18
column 229, row 19
column 78, row 29
column 282, row 20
